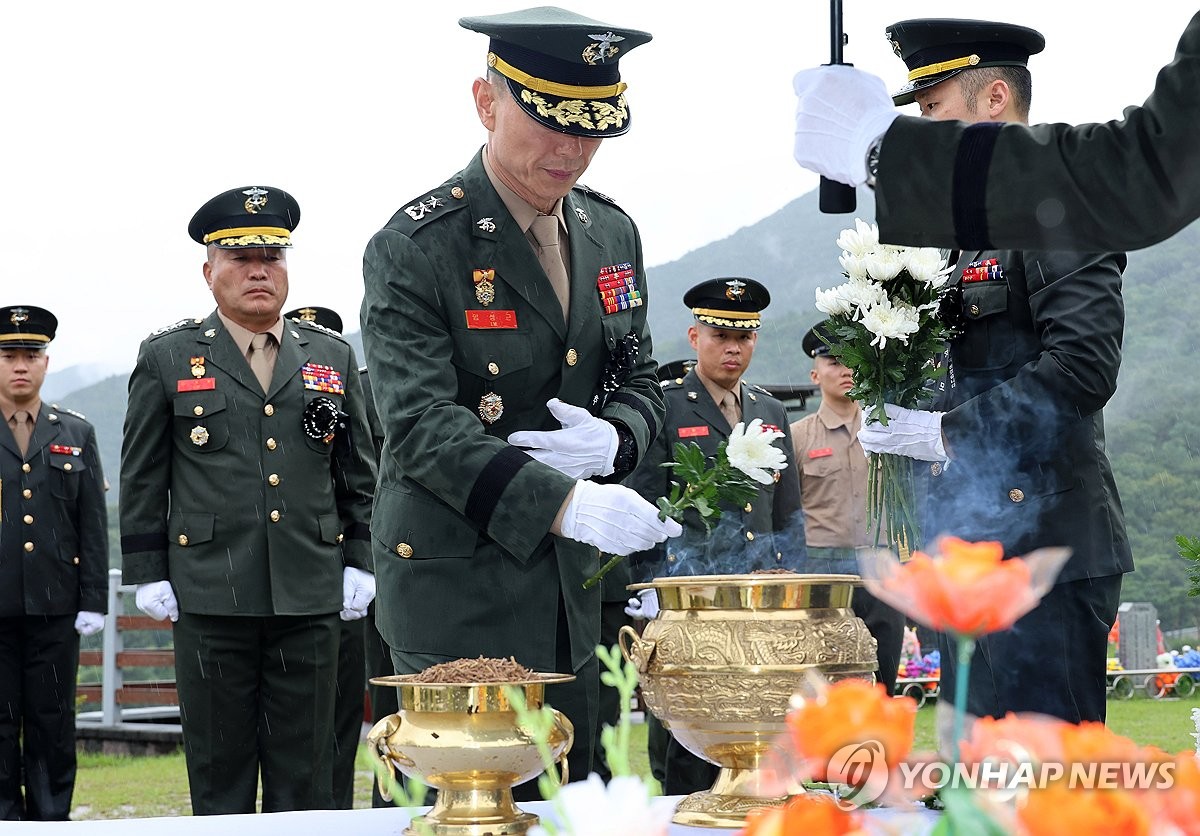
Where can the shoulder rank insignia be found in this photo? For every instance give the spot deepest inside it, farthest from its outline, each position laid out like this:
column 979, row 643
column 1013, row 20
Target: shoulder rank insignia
column 166, row 329
column 421, row 208
column 69, row 411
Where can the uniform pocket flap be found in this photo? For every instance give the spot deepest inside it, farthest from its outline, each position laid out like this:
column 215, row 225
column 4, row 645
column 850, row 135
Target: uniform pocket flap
column 198, row 404
column 189, row 529
column 985, row 299
column 416, row 527
column 331, row 528
column 491, row 354
column 67, row 463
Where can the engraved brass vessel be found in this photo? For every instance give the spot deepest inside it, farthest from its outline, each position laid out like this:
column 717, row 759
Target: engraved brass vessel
column 464, row 740
column 721, row 661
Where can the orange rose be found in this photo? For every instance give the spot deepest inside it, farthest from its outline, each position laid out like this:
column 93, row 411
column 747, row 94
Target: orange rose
column 1094, row 742
column 849, row 712
column 968, row 589
column 1180, row 805
column 804, row 815
column 1058, row 810
column 1014, row 738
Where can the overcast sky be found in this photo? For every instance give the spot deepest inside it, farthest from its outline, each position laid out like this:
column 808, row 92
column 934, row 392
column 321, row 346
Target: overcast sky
column 122, row 118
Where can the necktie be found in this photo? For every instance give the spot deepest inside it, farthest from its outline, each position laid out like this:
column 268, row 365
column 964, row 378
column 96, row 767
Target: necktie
column 22, row 430
column 545, row 232
column 261, row 361
column 729, row 408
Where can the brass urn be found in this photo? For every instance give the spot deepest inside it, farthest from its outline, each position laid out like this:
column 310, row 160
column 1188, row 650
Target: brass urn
column 721, row 661
column 464, row 740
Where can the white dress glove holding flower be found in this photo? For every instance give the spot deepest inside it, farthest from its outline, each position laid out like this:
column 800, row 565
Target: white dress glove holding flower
column 584, row 447
column 358, row 591
column 645, row 605
column 615, row 519
column 841, row 112
column 88, row 623
column 909, row 432
column 157, row 600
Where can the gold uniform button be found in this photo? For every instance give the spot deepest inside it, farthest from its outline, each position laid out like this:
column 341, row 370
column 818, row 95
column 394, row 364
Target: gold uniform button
column 457, row 193
column 749, row 535
column 269, row 410
column 28, row 494
column 199, row 410
column 679, row 380
column 404, row 550
column 25, row 468
column 1016, row 495
column 67, row 466
column 973, row 310
column 572, row 357
column 493, row 368
column 75, row 560
column 29, row 547
column 183, row 540
column 28, row 519
column 340, row 538
column 271, row 445
column 273, row 479
column 749, row 508
column 275, row 516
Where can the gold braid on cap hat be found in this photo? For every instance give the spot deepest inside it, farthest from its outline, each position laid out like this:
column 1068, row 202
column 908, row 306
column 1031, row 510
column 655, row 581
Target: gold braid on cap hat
column 553, row 88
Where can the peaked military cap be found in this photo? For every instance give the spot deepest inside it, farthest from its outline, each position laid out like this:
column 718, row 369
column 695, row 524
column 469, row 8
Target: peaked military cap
column 562, row 67
column 812, row 343
column 26, row 326
column 935, row 49
column 324, row 317
column 250, row 216
column 728, row 303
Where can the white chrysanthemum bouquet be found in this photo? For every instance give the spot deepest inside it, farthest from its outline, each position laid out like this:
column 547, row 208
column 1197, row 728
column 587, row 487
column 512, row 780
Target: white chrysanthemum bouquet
column 886, row 330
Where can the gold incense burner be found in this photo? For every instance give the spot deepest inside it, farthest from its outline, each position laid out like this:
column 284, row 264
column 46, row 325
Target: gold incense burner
column 721, row 661
column 464, row 740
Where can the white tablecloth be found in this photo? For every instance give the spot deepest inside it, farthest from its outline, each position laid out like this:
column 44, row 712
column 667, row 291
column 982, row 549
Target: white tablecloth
column 375, row 822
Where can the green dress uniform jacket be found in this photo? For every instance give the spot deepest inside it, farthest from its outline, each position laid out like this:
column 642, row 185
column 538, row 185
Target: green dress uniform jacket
column 1119, row 185
column 1027, row 380
column 464, row 561
column 54, row 552
column 222, row 491
column 766, row 533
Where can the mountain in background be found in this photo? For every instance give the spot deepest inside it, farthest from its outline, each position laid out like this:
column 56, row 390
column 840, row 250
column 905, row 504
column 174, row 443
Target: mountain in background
column 59, row 384
column 1153, row 431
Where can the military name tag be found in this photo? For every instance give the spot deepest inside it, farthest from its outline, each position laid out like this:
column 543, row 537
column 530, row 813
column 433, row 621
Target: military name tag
column 491, row 319
column 821, row 453
column 692, row 432
column 196, row 385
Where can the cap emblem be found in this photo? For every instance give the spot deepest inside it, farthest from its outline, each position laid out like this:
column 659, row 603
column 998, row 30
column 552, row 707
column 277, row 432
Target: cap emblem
column 307, row 314
column 603, row 49
column 256, row 199
column 19, row 315
column 734, row 289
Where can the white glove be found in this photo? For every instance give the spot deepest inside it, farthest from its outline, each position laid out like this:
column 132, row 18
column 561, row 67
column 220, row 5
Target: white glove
column 909, row 432
column 841, row 112
column 584, row 447
column 358, row 591
column 645, row 605
column 88, row 623
column 614, row 519
column 157, row 600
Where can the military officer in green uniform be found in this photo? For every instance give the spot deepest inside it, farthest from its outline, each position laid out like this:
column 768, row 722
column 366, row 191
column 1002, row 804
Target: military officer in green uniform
column 504, row 324
column 246, row 481
column 703, row 407
column 1120, row 185
column 53, row 571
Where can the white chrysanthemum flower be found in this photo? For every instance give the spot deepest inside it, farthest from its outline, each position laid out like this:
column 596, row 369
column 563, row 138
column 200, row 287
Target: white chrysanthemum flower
column 1196, row 720
column 625, row 806
column 750, row 450
column 861, row 240
column 884, row 264
column 854, row 266
column 833, row 302
column 926, row 264
column 888, row 322
column 859, row 296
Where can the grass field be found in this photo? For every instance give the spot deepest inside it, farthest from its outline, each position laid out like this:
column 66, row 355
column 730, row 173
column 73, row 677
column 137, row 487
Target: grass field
column 110, row 787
